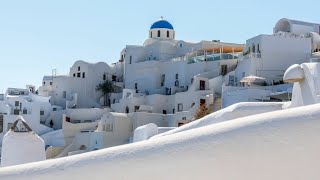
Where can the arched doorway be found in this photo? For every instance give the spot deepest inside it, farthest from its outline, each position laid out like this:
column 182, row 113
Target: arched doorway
column 127, row 110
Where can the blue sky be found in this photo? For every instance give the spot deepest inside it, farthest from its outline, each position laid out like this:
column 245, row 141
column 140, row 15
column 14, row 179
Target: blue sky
column 37, row 36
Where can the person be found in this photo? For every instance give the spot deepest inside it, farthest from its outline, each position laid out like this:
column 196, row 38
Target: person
column 51, row 123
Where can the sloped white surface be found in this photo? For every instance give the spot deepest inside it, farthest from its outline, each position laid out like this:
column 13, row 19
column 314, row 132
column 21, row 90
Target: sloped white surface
column 145, row 132
column 54, row 138
column 277, row 145
column 234, row 111
column 21, row 147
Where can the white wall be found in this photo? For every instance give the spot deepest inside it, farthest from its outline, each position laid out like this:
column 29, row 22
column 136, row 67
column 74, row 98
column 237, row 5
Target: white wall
column 266, row 146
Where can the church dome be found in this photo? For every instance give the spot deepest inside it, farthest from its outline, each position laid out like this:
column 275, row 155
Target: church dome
column 161, row 24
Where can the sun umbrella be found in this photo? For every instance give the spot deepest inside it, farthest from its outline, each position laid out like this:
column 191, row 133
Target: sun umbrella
column 252, row 78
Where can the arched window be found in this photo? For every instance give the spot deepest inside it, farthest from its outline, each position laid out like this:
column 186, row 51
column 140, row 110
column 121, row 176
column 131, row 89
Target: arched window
column 168, row 34
column 127, row 109
column 158, row 33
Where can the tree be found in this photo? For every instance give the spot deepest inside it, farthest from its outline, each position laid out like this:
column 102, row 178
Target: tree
column 106, row 88
column 202, row 111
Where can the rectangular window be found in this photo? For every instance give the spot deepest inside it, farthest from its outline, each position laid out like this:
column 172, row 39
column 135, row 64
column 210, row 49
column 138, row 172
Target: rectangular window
column 54, row 109
column 16, row 112
column 163, row 78
column 224, row 69
column 78, row 68
column 231, row 78
column 64, row 94
column 135, row 85
column 104, row 77
column 180, row 107
column 202, row 85
column 184, row 118
column 41, row 112
column 164, row 112
column 136, row 108
column 202, row 102
column 130, row 59
column 173, row 111
column 1, row 123
column 109, row 127
column 78, row 74
column 50, row 83
column 177, row 76
column 114, row 78
column 25, row 111
column 16, row 103
column 83, row 75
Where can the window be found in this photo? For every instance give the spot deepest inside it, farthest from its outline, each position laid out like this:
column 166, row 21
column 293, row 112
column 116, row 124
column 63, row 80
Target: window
column 151, row 34
column 16, row 112
column 173, row 111
column 74, row 74
column 231, row 78
column 78, row 68
column 136, row 108
column 180, row 107
column 127, row 110
column 114, row 101
column 258, row 48
column 184, row 118
column 168, row 34
column 109, row 127
column 54, row 109
column 41, row 112
column 1, row 123
column 25, row 111
column 177, row 76
column 135, row 85
column 78, row 74
column 83, row 75
column 64, row 94
column 44, row 83
column 158, row 33
column 114, row 78
column 163, row 78
column 51, row 83
column 202, row 102
column 104, row 77
column 180, row 44
column 164, row 112
column 16, row 103
column 130, row 60
column 202, row 85
column 253, row 48
column 176, row 83
column 224, row 70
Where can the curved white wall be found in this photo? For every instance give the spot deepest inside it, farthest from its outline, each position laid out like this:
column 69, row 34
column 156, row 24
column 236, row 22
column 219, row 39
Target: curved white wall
column 278, row 145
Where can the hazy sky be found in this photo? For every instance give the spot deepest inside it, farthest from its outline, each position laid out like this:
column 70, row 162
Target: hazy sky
column 37, row 36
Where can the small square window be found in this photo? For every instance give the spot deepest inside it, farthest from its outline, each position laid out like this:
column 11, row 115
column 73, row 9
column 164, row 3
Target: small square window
column 16, row 103
column 25, row 111
column 41, row 113
column 50, row 83
column 78, row 74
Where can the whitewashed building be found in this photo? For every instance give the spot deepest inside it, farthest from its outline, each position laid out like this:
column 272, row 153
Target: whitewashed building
column 78, row 89
column 268, row 56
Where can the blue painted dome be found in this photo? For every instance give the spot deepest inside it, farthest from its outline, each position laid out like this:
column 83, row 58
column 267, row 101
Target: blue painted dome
column 161, row 24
